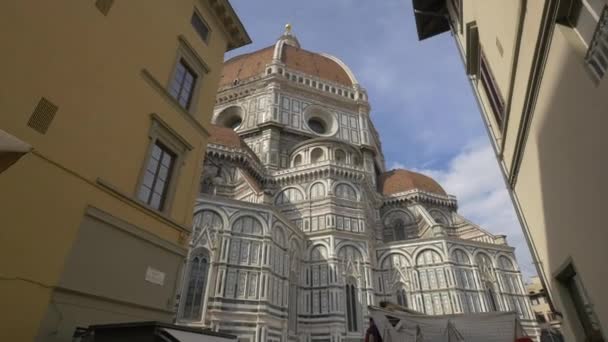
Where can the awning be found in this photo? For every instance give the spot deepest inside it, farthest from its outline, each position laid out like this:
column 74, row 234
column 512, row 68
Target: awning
column 189, row 336
column 431, row 17
column 11, row 149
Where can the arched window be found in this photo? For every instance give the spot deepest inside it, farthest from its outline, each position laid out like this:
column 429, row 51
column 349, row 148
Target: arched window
column 460, row 257
column 294, row 257
column 395, row 277
column 340, row 156
column 206, row 219
column 492, row 302
column 349, row 253
column 346, row 191
column 505, row 263
column 430, row 275
column 484, row 263
column 398, row 226
column 197, row 283
column 316, row 155
column 439, row 217
column 247, row 225
column 317, row 191
column 278, row 236
column 464, row 275
column 351, row 304
column 318, row 253
column 401, row 297
column 288, row 196
column 399, row 229
column 486, row 273
column 297, row 160
column 428, row 257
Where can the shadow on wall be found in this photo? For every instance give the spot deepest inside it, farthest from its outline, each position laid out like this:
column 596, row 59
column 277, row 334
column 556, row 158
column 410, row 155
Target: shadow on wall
column 571, row 149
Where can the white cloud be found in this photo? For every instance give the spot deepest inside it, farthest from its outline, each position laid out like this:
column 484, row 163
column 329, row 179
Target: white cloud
column 474, row 178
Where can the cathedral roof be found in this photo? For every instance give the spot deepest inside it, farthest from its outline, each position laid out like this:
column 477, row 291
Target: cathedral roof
column 288, row 50
column 226, row 136
column 400, row 180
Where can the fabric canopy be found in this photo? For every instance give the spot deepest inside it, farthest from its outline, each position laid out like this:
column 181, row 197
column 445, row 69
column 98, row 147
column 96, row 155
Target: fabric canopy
column 399, row 326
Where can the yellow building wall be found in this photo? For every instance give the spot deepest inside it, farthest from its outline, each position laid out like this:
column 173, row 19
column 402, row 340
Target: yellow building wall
column 90, row 66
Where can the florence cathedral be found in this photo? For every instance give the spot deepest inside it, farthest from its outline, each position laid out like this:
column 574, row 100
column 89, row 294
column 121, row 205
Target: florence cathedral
column 299, row 227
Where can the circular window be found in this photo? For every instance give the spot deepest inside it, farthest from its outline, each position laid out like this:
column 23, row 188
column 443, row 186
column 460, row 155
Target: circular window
column 320, row 121
column 231, row 117
column 317, row 125
column 234, row 122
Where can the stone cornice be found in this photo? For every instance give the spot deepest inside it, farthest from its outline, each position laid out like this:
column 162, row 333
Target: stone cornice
column 416, row 195
column 230, row 23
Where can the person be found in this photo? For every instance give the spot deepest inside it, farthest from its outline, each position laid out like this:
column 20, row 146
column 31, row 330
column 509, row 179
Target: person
column 372, row 334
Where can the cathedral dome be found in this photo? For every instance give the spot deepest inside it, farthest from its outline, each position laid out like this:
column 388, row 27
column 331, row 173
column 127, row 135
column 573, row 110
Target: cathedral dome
column 400, row 180
column 288, row 52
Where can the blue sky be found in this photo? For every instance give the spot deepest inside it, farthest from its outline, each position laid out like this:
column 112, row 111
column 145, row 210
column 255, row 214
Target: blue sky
column 422, row 104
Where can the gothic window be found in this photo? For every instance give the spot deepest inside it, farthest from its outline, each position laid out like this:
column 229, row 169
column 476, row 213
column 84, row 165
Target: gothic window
column 491, row 296
column 484, row 263
column 278, row 236
column 318, row 253
column 293, row 302
column 395, row 275
column 340, row 156
column 346, row 191
column 486, row 272
column 206, row 219
column 505, row 263
column 399, row 229
column 402, row 297
column 317, row 191
column 395, row 226
column 439, row 217
column 428, row 257
column 349, row 253
column 460, row 257
column 290, row 195
column 247, row 225
column 463, row 271
column 316, row 155
column 197, row 283
column 431, row 275
column 351, row 305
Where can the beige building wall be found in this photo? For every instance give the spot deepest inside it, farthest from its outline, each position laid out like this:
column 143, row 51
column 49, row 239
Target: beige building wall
column 78, row 247
column 551, row 147
column 540, row 304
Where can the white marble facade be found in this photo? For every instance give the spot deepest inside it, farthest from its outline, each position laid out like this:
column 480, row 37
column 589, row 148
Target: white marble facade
column 297, row 229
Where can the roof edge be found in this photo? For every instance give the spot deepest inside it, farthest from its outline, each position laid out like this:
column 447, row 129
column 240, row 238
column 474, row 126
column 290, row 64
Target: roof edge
column 431, row 18
column 231, row 23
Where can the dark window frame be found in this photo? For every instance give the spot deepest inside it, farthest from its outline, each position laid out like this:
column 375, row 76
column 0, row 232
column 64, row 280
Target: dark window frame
column 188, row 70
column 490, row 86
column 571, row 282
column 164, row 194
column 200, row 26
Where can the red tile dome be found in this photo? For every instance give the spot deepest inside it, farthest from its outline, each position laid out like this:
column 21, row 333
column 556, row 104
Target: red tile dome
column 400, row 180
column 311, row 63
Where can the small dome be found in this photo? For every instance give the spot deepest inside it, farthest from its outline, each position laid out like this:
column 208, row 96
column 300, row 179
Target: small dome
column 400, row 180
